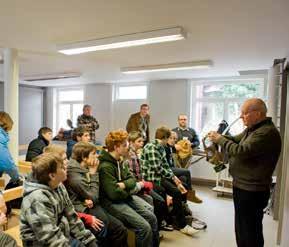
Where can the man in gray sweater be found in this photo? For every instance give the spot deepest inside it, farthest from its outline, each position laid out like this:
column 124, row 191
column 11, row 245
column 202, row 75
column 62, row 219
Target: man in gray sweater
column 253, row 156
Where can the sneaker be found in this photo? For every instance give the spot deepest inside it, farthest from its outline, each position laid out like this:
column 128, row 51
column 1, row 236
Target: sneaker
column 188, row 230
column 198, row 226
column 166, row 227
column 161, row 236
column 199, row 222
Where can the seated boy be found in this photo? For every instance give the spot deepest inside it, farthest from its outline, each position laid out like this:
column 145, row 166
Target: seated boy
column 79, row 134
column 83, row 187
column 147, row 193
column 115, row 186
column 36, row 146
column 47, row 215
column 156, row 169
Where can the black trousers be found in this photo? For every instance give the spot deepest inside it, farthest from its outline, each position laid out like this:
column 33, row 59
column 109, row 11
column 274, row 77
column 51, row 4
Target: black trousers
column 178, row 211
column 114, row 234
column 249, row 206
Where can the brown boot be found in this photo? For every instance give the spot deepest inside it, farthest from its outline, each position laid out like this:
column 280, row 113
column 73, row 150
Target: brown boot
column 191, row 196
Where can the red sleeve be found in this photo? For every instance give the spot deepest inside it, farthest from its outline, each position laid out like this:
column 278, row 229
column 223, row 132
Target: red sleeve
column 87, row 218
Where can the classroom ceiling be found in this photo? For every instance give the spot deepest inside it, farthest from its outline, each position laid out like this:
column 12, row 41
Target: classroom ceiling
column 236, row 35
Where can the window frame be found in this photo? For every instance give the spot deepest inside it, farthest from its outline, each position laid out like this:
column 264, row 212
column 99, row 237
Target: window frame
column 65, row 102
column 131, row 84
column 195, row 119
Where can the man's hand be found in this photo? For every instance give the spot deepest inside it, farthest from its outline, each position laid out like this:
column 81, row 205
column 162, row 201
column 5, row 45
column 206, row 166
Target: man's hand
column 88, row 203
column 3, row 219
column 96, row 224
column 214, row 136
column 121, row 185
column 178, row 147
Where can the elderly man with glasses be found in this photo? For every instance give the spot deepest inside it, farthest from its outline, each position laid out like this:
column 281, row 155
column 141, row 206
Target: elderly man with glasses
column 253, row 156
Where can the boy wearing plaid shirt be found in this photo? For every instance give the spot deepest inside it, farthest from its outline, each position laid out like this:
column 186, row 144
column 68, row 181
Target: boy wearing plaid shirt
column 156, row 169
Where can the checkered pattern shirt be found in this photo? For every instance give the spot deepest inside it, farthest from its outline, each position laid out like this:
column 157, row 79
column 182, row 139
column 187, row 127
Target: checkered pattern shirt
column 154, row 165
column 134, row 164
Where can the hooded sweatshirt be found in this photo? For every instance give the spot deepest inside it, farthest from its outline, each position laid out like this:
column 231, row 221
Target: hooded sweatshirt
column 48, row 217
column 36, row 147
column 81, row 185
column 112, row 172
column 6, row 162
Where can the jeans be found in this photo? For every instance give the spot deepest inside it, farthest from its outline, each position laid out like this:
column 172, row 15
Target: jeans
column 138, row 215
column 249, row 206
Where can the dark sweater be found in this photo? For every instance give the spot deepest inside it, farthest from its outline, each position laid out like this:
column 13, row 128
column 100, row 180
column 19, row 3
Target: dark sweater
column 253, row 155
column 189, row 134
column 36, row 147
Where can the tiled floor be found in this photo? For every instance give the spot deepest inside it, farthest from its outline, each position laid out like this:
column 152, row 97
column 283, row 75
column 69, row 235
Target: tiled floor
column 218, row 213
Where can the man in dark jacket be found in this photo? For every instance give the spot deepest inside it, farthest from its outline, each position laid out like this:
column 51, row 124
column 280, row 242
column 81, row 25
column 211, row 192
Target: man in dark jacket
column 140, row 122
column 83, row 188
column 116, row 182
column 253, row 156
column 36, row 146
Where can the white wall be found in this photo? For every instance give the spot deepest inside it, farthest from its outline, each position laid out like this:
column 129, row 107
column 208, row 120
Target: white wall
column 168, row 98
column 30, row 111
column 1, row 96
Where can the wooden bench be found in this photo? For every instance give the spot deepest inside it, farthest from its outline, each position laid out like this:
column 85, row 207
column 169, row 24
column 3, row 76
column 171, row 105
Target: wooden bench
column 10, row 195
column 24, row 167
column 14, row 232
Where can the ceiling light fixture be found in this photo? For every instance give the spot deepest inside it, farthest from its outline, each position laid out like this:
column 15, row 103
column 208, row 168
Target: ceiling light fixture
column 47, row 77
column 168, row 67
column 128, row 40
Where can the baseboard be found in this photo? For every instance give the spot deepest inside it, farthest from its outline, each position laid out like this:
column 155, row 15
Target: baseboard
column 204, row 182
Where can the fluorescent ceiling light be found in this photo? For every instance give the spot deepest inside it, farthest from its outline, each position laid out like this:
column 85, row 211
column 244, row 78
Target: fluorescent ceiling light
column 168, row 67
column 253, row 72
column 46, row 77
column 136, row 39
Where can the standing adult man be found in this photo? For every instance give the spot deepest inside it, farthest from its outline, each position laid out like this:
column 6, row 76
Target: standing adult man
column 140, row 122
column 253, row 156
column 186, row 133
column 87, row 121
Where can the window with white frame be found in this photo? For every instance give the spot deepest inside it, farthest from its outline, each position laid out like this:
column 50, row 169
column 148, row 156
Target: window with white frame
column 125, row 92
column 69, row 106
column 214, row 102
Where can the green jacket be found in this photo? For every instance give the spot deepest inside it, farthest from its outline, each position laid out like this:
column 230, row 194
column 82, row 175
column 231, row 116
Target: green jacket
column 48, row 217
column 81, row 185
column 253, row 155
column 112, row 172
